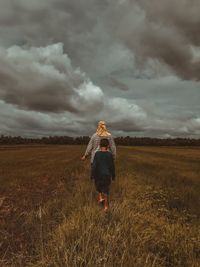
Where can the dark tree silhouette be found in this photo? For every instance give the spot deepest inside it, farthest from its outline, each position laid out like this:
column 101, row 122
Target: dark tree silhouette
column 83, row 140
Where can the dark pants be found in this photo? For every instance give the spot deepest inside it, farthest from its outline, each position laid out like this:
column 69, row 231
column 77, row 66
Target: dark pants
column 102, row 184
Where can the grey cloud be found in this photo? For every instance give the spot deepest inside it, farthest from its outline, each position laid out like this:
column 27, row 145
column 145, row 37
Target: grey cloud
column 137, row 45
column 116, row 83
column 26, row 122
column 121, row 113
column 32, row 123
column 125, row 119
column 167, row 33
column 43, row 79
column 164, row 31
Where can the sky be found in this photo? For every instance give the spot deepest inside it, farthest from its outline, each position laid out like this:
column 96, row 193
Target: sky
column 65, row 65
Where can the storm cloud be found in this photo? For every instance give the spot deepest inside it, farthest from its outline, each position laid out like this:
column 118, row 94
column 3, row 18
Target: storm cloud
column 64, row 65
column 43, row 79
column 164, row 31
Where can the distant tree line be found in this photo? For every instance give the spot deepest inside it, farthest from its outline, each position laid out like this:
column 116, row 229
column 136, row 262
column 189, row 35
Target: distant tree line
column 148, row 141
column 83, row 140
column 68, row 140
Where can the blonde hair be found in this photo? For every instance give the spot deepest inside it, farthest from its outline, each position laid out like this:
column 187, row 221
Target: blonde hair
column 101, row 129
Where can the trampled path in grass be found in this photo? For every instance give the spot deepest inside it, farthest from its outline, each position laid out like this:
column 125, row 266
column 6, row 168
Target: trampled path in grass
column 50, row 216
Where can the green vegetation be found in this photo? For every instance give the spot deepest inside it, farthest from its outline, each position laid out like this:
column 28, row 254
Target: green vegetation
column 50, row 216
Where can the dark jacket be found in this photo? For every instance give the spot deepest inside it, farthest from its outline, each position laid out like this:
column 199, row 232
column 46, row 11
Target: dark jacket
column 103, row 165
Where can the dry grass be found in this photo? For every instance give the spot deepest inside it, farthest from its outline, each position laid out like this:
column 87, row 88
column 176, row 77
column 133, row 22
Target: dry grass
column 49, row 214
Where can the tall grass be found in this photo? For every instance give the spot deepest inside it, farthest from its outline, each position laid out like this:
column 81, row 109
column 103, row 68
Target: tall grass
column 151, row 221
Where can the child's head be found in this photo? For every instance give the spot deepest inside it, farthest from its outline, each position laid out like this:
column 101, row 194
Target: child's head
column 104, row 143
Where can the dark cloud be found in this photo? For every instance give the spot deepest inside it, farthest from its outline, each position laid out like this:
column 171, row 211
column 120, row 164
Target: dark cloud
column 116, row 83
column 43, row 79
column 27, row 122
column 167, row 32
column 164, row 31
column 61, row 62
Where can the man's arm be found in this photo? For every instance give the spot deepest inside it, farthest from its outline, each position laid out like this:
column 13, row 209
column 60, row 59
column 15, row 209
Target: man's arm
column 88, row 149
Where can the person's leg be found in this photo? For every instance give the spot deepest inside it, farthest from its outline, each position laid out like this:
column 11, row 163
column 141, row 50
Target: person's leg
column 106, row 204
column 98, row 188
column 100, row 197
column 106, row 194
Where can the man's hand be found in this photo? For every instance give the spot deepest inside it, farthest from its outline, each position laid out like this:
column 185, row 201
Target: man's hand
column 83, row 157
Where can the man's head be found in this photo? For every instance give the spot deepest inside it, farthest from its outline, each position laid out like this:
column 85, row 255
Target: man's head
column 104, row 143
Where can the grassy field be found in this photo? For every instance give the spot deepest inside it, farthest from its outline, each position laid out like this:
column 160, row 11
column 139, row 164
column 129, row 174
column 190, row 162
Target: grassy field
column 50, row 216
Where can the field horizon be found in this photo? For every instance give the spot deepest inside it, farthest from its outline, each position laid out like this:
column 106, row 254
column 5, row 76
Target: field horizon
column 50, row 216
